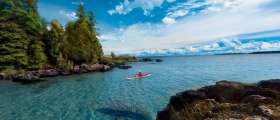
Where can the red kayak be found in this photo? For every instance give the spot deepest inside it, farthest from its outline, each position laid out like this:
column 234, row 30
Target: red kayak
column 139, row 76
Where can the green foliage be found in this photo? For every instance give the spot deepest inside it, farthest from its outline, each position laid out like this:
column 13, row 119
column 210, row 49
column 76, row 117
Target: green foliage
column 13, row 46
column 25, row 41
column 81, row 44
column 113, row 55
column 117, row 60
column 37, row 57
column 127, row 58
column 53, row 40
column 63, row 64
column 20, row 35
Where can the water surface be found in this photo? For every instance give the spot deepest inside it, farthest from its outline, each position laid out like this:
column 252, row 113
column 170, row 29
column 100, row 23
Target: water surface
column 108, row 96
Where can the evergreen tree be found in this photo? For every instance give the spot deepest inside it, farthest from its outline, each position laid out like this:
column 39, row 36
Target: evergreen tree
column 13, row 46
column 113, row 55
column 81, row 39
column 37, row 57
column 25, row 42
column 53, row 39
column 25, row 33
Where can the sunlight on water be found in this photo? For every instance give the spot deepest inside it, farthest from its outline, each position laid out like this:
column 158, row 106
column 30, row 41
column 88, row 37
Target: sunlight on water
column 108, row 96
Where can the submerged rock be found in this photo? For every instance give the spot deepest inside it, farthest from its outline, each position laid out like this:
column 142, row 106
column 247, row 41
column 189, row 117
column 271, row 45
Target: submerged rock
column 226, row 100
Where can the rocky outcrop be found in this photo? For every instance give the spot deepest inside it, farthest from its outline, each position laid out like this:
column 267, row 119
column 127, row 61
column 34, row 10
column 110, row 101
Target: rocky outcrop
column 26, row 78
column 159, row 60
column 226, row 100
column 38, row 75
column 124, row 67
column 150, row 60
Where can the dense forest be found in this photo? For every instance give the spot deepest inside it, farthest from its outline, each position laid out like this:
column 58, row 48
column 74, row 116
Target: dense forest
column 29, row 42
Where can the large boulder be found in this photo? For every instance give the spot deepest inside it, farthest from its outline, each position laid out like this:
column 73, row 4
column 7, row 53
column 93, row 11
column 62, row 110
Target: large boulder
column 76, row 69
column 106, row 68
column 48, row 73
column 270, row 84
column 26, row 78
column 2, row 76
column 226, row 100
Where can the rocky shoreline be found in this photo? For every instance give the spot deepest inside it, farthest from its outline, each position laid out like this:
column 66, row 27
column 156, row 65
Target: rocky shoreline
column 34, row 76
column 226, row 101
column 27, row 77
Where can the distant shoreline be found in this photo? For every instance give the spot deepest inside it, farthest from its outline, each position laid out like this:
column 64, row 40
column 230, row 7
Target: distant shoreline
column 259, row 52
column 266, row 52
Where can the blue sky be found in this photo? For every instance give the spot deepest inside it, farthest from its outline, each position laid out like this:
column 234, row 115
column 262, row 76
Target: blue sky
column 133, row 26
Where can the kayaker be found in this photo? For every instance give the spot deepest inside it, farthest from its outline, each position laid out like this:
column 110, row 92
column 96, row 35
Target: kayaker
column 139, row 74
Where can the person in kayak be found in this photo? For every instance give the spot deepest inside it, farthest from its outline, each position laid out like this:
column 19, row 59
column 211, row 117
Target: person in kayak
column 139, row 74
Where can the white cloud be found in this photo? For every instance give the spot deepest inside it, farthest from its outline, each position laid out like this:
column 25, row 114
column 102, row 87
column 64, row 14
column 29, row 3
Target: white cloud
column 191, row 7
column 107, row 37
column 146, row 5
column 168, row 20
column 220, row 47
column 68, row 15
column 247, row 17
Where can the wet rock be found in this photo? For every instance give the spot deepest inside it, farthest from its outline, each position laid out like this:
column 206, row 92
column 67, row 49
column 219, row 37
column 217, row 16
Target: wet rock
column 48, row 73
column 124, row 66
column 36, row 75
column 84, row 68
column 146, row 60
column 106, row 68
column 2, row 76
column 65, row 72
column 95, row 67
column 76, row 69
column 150, row 60
column 159, row 60
column 271, row 84
column 26, row 78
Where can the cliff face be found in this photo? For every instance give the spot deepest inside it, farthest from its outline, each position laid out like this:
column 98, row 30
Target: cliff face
column 226, row 100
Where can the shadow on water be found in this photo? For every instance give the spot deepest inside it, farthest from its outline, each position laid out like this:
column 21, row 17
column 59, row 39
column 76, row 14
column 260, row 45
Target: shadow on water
column 118, row 114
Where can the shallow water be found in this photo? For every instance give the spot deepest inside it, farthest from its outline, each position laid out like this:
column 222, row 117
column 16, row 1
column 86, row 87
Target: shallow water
column 108, row 96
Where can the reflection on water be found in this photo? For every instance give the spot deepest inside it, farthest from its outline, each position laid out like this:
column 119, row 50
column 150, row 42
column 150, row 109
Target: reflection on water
column 108, row 96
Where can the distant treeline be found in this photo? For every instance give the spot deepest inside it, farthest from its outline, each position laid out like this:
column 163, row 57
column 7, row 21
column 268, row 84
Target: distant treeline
column 28, row 42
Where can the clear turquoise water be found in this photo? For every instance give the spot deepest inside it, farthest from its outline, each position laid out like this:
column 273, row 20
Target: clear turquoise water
column 108, row 96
